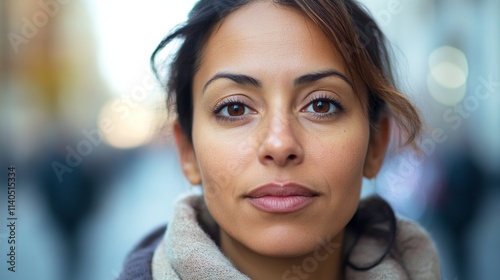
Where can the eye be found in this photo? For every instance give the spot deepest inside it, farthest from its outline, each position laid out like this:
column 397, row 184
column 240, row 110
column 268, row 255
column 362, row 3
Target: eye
column 232, row 109
column 235, row 109
column 323, row 106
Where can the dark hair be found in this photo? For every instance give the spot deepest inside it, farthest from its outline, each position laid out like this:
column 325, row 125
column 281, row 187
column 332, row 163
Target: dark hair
column 360, row 43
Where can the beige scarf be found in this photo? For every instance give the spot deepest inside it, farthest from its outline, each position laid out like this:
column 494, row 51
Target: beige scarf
column 188, row 252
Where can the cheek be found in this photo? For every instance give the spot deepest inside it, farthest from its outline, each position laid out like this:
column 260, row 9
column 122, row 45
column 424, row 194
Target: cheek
column 222, row 160
column 340, row 159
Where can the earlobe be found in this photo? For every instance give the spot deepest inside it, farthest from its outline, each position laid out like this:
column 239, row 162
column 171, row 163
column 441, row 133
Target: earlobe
column 187, row 156
column 379, row 140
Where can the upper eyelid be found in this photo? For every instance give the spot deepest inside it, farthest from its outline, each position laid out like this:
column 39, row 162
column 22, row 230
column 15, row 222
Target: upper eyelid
column 329, row 88
column 322, row 95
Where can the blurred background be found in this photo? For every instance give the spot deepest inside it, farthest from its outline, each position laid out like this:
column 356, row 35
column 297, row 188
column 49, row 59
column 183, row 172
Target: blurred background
column 84, row 123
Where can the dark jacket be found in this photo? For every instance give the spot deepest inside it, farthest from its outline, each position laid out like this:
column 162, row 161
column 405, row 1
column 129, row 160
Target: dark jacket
column 138, row 263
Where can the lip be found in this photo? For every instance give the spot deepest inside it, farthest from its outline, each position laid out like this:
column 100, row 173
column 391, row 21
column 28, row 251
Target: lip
column 281, row 198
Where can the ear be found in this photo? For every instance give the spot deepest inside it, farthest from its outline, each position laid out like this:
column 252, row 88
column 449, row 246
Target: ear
column 379, row 140
column 187, row 156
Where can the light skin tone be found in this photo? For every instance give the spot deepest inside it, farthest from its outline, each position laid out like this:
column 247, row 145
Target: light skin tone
column 273, row 104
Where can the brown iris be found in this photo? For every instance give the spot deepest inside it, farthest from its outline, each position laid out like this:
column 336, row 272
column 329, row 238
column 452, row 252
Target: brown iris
column 321, row 106
column 236, row 110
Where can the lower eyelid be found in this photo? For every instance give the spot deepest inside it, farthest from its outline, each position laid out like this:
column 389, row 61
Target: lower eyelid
column 227, row 119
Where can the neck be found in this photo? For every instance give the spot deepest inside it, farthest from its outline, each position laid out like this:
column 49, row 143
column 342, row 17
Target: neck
column 323, row 263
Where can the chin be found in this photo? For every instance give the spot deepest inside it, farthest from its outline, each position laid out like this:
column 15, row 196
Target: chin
column 288, row 242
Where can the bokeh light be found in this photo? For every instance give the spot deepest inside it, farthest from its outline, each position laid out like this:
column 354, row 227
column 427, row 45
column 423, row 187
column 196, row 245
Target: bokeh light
column 126, row 127
column 448, row 73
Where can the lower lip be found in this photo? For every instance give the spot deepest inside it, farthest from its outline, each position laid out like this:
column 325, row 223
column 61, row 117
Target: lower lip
column 281, row 204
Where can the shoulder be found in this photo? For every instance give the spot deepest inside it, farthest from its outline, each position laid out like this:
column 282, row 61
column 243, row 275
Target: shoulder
column 137, row 265
column 416, row 250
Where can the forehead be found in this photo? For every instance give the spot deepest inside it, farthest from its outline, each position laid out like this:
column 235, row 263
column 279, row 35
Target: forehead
column 269, row 39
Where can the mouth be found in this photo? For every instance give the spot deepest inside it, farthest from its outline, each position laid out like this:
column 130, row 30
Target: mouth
column 285, row 198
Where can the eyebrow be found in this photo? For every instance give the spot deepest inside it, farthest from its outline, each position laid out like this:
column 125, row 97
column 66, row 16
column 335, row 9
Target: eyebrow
column 246, row 80
column 237, row 78
column 313, row 77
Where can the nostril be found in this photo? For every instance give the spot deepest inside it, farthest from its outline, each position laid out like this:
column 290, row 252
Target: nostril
column 292, row 157
column 269, row 157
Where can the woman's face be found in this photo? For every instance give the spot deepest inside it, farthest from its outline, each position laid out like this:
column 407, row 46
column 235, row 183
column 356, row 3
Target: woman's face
column 281, row 140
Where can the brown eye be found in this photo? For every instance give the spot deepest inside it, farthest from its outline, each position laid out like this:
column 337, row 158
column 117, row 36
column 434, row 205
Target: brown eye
column 321, row 106
column 232, row 109
column 235, row 110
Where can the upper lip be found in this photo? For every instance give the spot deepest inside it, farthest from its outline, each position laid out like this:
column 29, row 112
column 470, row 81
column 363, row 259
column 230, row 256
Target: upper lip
column 281, row 190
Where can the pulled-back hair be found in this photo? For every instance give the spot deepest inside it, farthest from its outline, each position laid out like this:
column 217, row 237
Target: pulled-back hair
column 362, row 47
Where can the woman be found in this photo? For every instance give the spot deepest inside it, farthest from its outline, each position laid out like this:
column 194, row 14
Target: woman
column 282, row 108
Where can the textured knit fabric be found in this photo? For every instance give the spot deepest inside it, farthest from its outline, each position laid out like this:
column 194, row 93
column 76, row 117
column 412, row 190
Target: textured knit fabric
column 187, row 251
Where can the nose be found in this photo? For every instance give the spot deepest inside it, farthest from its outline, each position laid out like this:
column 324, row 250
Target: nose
column 279, row 144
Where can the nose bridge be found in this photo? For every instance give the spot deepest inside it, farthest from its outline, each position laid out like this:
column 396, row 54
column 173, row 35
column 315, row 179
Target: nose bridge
column 279, row 129
column 279, row 122
column 279, row 143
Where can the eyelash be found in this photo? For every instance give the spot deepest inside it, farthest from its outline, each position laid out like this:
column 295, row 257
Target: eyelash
column 339, row 108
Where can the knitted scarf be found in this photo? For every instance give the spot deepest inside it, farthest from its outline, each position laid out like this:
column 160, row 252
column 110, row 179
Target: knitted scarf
column 188, row 252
